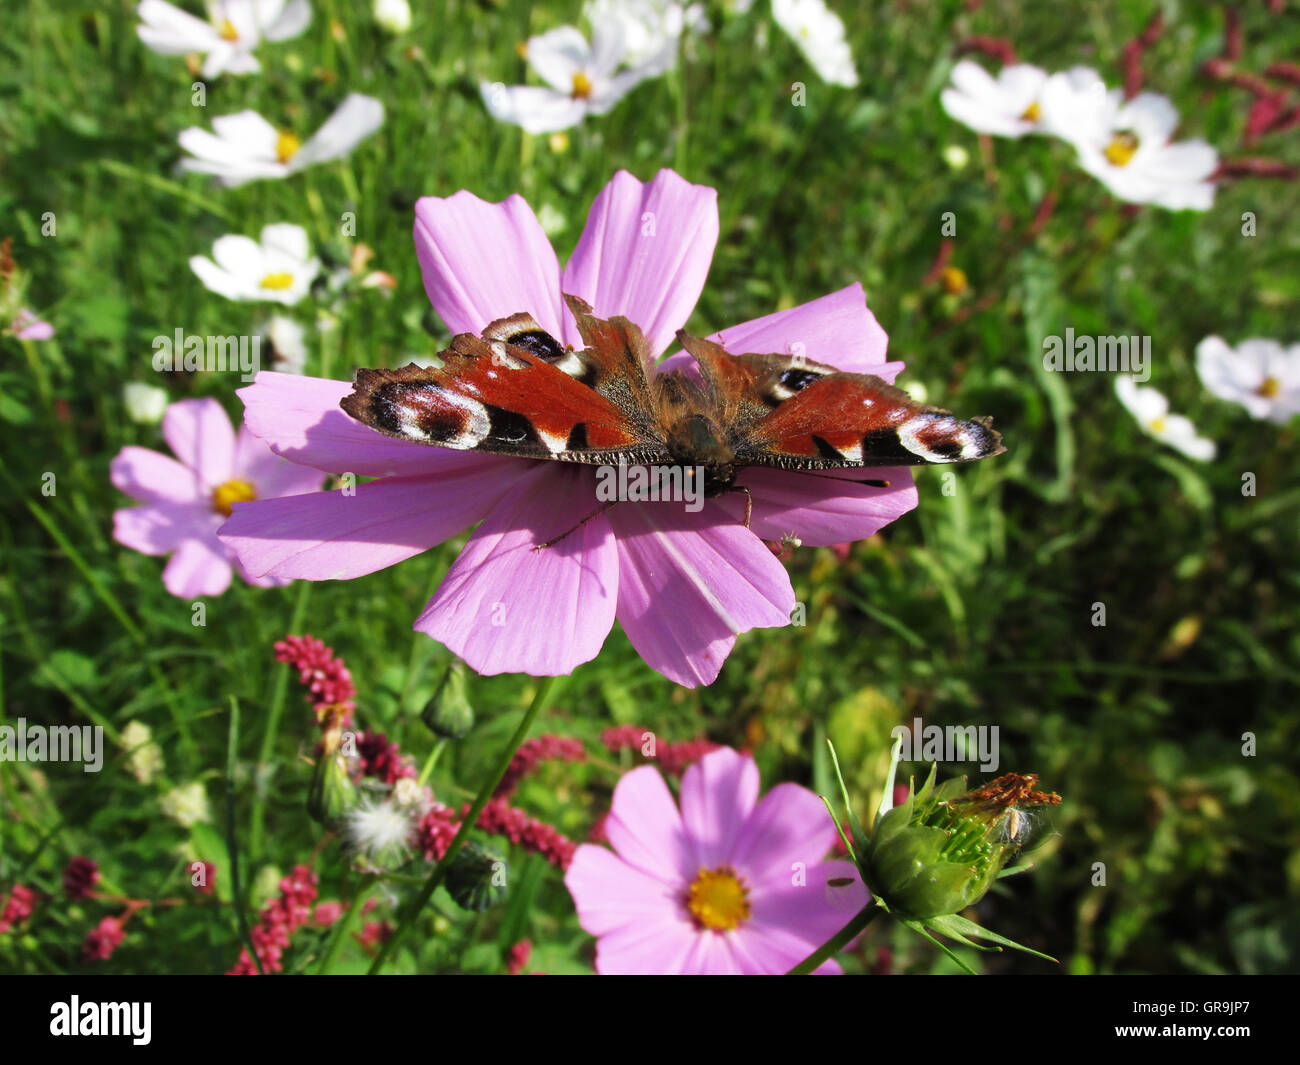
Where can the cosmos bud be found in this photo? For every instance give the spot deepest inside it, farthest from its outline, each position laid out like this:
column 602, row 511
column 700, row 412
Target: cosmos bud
column 477, row 877
column 940, row 850
column 935, row 853
column 332, row 792
column 449, row 714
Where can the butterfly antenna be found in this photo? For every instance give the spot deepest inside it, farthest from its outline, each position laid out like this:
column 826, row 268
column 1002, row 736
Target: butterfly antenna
column 870, row 482
column 594, row 514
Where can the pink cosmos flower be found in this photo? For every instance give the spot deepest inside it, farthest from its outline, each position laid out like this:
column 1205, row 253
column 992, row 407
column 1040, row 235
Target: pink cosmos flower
column 728, row 885
column 185, row 502
column 683, row 585
column 28, row 327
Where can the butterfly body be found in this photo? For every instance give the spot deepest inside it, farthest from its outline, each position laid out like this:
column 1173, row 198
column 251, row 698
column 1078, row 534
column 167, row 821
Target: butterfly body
column 515, row 390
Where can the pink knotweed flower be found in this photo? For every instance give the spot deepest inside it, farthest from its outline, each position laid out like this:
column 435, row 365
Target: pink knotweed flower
column 17, row 908
column 328, row 679
column 80, row 877
column 517, row 957
column 377, row 757
column 102, row 940
column 532, row 753
column 682, row 584
column 673, row 758
column 523, row 830
column 280, row 918
column 726, row 884
column 186, row 501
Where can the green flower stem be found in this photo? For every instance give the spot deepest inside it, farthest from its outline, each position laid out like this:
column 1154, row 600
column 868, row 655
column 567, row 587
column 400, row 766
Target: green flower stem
column 271, row 729
column 544, row 690
column 430, row 762
column 838, row 941
column 133, row 630
column 346, row 924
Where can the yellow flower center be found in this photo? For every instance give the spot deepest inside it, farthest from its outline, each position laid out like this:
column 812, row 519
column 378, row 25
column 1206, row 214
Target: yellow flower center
column 718, row 900
column 1032, row 113
column 1157, row 426
column 1121, row 149
column 286, row 146
column 953, row 280
column 279, row 282
column 581, row 85
column 227, row 30
column 1269, row 388
column 226, row 495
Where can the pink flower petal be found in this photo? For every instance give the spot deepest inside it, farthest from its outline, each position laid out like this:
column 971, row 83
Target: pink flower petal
column 688, row 586
column 483, row 261
column 645, row 253
column 270, row 475
column 198, row 567
column 790, row 824
column 505, row 607
column 199, row 434
column 29, row 327
column 647, row 948
column 150, row 476
column 300, row 418
column 158, row 528
column 609, row 893
column 801, row 916
column 718, row 793
column 329, row 536
column 773, row 952
column 837, row 329
column 646, row 831
column 818, row 509
column 712, row 955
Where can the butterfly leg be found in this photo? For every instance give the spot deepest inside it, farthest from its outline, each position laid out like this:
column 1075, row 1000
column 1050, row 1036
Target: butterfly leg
column 594, row 514
column 749, row 502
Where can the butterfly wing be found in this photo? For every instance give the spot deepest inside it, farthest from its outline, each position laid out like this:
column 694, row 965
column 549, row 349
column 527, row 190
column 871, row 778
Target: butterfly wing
column 801, row 415
column 515, row 390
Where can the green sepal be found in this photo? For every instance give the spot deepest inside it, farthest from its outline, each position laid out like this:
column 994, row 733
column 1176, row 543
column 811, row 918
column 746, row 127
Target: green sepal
column 955, row 925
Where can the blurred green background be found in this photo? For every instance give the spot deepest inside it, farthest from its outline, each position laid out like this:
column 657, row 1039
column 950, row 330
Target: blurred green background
column 976, row 608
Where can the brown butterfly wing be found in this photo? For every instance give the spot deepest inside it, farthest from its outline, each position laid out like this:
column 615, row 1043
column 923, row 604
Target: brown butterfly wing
column 797, row 414
column 512, row 391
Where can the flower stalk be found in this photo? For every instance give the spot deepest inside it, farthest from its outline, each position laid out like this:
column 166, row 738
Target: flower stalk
column 439, row 873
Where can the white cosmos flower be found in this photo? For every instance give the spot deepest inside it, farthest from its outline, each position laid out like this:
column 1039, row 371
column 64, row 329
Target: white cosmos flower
column 1006, row 106
column 581, row 79
column 393, row 16
column 1261, row 375
column 245, row 146
column 145, row 404
column 819, row 33
column 278, row 269
column 651, row 28
column 284, row 338
column 1151, row 409
column 234, row 29
column 1126, row 144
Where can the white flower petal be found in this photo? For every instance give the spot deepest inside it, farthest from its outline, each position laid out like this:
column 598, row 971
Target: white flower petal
column 557, row 55
column 357, row 118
